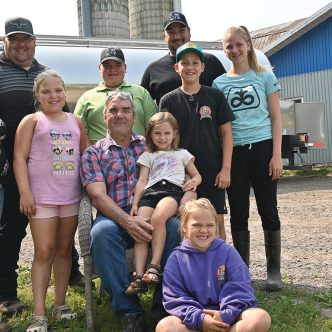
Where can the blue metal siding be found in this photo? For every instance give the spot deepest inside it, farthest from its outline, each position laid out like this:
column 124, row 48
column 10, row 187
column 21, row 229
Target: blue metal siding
column 310, row 53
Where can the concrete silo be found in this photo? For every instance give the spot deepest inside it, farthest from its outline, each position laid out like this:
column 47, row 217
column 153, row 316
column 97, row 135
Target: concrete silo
column 103, row 18
column 146, row 17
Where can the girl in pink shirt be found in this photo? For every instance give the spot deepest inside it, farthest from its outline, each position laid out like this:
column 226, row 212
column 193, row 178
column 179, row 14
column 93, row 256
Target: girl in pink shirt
column 47, row 152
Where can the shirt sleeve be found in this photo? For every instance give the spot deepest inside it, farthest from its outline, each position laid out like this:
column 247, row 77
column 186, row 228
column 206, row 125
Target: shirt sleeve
column 91, row 170
column 271, row 83
column 149, row 106
column 237, row 294
column 176, row 300
column 80, row 111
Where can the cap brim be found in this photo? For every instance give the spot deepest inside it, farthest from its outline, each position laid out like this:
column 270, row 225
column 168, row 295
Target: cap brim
column 21, row 32
column 190, row 50
column 169, row 23
column 112, row 58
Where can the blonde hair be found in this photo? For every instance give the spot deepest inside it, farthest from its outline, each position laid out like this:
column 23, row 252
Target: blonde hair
column 192, row 206
column 40, row 78
column 160, row 118
column 252, row 58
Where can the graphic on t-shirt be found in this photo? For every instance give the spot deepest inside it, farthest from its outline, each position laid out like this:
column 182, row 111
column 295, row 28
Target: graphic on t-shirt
column 205, row 112
column 162, row 166
column 54, row 134
column 63, row 152
column 243, row 98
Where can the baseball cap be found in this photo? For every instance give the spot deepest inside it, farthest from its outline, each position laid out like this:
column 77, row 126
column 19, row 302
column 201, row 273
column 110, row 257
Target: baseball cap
column 174, row 17
column 189, row 47
column 112, row 53
column 18, row 25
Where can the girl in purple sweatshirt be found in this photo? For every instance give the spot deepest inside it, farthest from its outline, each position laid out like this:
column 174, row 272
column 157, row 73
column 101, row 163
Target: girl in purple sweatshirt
column 206, row 284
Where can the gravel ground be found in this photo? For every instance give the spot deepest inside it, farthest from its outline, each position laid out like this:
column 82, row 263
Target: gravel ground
column 305, row 208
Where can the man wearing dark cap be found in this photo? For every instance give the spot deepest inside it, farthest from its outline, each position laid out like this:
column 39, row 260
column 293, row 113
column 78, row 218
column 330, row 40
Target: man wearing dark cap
column 160, row 76
column 18, row 69
column 90, row 105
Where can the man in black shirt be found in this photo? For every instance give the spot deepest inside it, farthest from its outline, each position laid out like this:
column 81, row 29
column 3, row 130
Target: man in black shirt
column 160, row 76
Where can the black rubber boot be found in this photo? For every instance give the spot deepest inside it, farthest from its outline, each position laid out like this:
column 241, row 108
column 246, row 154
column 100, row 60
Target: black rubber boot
column 241, row 242
column 273, row 253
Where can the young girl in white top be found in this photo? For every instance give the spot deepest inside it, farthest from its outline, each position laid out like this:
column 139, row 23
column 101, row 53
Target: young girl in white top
column 47, row 152
column 158, row 192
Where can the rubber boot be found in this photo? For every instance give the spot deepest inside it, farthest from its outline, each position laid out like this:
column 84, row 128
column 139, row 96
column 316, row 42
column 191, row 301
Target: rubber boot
column 241, row 242
column 273, row 253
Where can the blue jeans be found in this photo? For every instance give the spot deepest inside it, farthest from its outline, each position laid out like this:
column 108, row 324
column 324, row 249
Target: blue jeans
column 109, row 242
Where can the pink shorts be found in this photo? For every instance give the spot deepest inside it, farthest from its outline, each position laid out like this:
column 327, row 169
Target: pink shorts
column 44, row 211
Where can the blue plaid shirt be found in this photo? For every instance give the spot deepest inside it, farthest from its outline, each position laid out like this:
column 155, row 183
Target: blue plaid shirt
column 115, row 166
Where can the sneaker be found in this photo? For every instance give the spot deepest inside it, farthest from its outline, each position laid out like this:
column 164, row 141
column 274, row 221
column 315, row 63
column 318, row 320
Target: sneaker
column 63, row 312
column 11, row 307
column 133, row 322
column 37, row 324
column 5, row 327
column 77, row 280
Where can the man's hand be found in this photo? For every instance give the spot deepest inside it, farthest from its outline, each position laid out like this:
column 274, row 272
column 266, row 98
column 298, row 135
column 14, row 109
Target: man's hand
column 188, row 196
column 213, row 323
column 139, row 229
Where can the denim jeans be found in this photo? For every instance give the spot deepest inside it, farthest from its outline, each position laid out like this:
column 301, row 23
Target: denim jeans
column 108, row 244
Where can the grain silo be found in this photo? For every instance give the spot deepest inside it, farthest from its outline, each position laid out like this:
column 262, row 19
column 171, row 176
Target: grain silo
column 146, row 17
column 103, row 18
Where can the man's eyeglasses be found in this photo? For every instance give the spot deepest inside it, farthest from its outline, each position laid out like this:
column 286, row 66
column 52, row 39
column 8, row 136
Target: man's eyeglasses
column 16, row 40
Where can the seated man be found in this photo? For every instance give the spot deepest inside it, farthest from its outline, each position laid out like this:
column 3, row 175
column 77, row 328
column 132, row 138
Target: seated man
column 109, row 174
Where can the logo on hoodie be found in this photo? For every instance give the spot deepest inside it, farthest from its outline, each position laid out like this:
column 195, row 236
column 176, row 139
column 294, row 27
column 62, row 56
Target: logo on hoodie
column 220, row 272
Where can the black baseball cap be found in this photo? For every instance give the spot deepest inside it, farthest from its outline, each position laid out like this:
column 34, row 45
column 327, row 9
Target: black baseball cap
column 173, row 17
column 112, row 53
column 18, row 25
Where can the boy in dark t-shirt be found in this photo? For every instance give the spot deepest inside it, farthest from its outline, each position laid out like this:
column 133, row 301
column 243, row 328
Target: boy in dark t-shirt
column 204, row 119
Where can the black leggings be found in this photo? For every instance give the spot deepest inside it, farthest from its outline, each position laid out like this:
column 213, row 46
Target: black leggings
column 250, row 167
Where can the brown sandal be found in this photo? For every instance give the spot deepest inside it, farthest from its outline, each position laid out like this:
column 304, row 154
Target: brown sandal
column 137, row 286
column 155, row 272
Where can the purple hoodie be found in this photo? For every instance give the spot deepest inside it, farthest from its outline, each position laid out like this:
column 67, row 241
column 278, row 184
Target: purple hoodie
column 216, row 279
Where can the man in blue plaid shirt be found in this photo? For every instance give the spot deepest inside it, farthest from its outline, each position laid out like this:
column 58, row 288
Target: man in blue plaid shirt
column 109, row 173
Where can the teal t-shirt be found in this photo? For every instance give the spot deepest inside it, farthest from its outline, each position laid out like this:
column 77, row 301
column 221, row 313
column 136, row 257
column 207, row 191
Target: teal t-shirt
column 247, row 96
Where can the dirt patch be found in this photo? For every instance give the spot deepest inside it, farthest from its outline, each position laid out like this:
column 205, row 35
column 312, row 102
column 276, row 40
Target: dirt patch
column 305, row 208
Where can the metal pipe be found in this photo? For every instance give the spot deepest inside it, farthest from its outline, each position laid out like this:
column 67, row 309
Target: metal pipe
column 177, row 7
column 86, row 18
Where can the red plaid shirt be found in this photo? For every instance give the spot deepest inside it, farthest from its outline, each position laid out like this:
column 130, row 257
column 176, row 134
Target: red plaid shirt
column 115, row 166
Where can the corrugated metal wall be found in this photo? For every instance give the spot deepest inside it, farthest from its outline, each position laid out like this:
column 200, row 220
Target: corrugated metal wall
column 313, row 87
column 311, row 52
column 304, row 69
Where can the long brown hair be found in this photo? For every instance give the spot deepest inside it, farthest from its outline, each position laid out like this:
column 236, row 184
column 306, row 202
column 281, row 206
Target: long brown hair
column 157, row 119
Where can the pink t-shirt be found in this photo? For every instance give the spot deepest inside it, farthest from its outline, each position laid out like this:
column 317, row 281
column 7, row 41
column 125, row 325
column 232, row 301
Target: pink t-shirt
column 54, row 161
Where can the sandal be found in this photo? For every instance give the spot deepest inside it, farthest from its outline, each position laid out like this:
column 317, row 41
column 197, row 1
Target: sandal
column 152, row 275
column 37, row 324
column 63, row 312
column 137, row 286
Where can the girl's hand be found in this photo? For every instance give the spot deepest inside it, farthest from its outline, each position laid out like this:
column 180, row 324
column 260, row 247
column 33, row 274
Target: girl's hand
column 133, row 211
column 223, row 179
column 27, row 205
column 213, row 323
column 190, row 185
column 275, row 167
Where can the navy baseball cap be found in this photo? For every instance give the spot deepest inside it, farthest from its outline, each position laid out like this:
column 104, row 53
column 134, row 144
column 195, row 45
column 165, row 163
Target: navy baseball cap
column 18, row 25
column 173, row 17
column 189, row 47
column 112, row 53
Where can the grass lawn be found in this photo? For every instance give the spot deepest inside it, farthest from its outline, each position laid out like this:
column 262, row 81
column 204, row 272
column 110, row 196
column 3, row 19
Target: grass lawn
column 292, row 309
